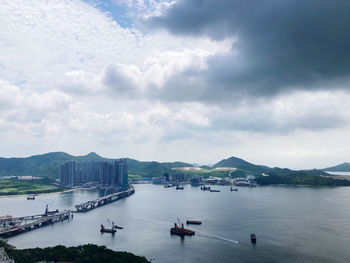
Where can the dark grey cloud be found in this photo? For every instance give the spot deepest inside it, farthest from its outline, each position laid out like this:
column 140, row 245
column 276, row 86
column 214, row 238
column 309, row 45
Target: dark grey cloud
column 282, row 45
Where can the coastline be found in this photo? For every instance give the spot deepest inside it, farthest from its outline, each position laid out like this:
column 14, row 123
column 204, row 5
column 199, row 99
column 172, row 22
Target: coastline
column 53, row 192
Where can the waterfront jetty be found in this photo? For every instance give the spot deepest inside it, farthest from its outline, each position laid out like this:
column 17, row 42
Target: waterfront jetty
column 89, row 205
column 10, row 226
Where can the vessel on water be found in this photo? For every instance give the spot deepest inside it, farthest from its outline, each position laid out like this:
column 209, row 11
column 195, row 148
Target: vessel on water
column 214, row 191
column 205, row 188
column 116, row 226
column 253, row 238
column 181, row 231
column 193, row 222
column 167, row 185
column 31, row 197
column 179, row 187
column 107, row 230
column 234, row 189
column 47, row 212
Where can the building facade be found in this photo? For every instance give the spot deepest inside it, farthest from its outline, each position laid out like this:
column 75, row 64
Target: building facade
column 99, row 172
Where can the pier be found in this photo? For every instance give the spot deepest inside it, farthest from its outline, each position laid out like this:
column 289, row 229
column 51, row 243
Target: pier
column 15, row 225
column 89, row 205
column 10, row 226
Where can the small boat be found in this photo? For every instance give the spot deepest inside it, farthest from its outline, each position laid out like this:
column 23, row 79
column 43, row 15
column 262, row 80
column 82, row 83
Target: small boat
column 181, row 231
column 47, row 212
column 214, row 191
column 31, row 197
column 205, row 188
column 116, row 226
column 107, row 230
column 180, row 187
column 193, row 222
column 233, row 189
column 253, row 238
column 167, row 185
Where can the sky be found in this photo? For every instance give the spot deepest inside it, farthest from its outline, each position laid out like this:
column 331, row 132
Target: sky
column 186, row 80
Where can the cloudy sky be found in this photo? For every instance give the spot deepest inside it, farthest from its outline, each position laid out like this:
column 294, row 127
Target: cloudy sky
column 189, row 80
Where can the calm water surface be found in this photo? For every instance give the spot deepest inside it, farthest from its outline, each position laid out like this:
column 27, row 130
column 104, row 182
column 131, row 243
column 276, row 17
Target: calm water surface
column 292, row 224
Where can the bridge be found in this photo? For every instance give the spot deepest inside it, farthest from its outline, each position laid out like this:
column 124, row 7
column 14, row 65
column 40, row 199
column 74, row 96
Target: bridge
column 15, row 225
column 89, row 205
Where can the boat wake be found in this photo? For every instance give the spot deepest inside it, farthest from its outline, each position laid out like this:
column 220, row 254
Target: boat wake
column 200, row 233
column 214, row 236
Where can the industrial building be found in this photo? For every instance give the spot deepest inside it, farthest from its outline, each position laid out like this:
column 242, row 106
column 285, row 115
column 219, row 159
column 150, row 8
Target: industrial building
column 100, row 172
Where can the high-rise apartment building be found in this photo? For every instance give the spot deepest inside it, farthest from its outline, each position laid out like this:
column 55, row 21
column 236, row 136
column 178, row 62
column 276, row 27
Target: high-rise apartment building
column 101, row 172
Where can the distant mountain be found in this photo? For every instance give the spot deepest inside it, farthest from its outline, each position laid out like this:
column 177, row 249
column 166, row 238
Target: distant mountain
column 245, row 166
column 49, row 165
column 242, row 164
column 344, row 167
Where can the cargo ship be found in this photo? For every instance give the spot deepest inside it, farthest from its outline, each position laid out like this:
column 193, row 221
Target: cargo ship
column 181, row 231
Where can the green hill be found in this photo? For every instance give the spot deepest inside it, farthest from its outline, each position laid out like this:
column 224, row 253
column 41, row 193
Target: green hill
column 49, row 165
column 344, row 167
column 300, row 178
column 242, row 165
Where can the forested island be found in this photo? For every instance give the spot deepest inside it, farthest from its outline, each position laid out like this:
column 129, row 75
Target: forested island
column 81, row 254
column 299, row 178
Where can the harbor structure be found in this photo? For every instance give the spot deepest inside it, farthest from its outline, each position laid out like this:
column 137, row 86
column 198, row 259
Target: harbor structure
column 100, row 172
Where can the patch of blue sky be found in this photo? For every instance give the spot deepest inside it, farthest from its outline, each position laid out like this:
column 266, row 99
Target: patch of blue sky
column 117, row 11
column 18, row 83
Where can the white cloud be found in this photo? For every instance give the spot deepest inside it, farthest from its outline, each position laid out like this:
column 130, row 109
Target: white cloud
column 72, row 79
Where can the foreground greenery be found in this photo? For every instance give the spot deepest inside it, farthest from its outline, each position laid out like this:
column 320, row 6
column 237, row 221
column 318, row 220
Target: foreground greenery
column 82, row 254
column 17, row 187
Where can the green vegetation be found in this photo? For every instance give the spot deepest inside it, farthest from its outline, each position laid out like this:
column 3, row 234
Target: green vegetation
column 15, row 187
column 81, row 254
column 301, row 178
column 48, row 166
column 134, row 176
column 344, row 167
column 206, row 173
column 45, row 165
column 242, row 165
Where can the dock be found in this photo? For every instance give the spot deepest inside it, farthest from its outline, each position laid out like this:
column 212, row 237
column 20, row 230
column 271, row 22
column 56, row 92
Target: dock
column 89, row 205
column 16, row 225
column 10, row 226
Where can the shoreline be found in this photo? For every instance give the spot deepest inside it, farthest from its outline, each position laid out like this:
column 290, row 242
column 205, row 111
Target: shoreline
column 55, row 192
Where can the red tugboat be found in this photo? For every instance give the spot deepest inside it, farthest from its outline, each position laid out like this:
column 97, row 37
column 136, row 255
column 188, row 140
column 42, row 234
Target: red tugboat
column 181, row 231
column 107, row 230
